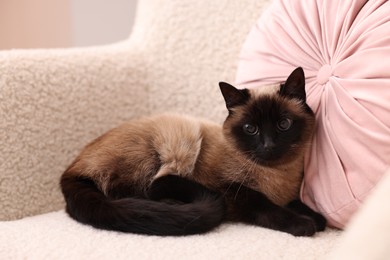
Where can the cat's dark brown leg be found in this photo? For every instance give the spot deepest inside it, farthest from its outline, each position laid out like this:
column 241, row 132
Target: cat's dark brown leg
column 300, row 208
column 249, row 206
column 173, row 187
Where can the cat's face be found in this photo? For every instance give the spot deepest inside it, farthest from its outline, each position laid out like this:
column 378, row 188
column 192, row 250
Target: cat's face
column 272, row 124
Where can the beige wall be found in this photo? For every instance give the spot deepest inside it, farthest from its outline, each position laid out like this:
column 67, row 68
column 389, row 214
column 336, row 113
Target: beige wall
column 35, row 23
column 64, row 23
column 101, row 21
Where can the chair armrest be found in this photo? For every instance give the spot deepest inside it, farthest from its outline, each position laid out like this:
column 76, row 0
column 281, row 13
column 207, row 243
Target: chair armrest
column 367, row 236
column 52, row 102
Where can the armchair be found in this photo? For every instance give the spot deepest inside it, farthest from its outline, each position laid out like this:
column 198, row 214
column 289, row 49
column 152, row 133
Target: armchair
column 53, row 101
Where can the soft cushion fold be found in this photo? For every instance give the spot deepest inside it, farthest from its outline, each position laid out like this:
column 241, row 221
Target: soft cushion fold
column 344, row 49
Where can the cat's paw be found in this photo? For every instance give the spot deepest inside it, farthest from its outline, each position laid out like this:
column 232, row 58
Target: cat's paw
column 302, row 226
column 320, row 221
column 300, row 208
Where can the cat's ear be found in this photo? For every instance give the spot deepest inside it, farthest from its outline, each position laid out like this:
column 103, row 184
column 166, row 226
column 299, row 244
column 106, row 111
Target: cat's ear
column 294, row 87
column 233, row 96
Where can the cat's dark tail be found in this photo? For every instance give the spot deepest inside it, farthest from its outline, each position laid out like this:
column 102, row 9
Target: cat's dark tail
column 174, row 206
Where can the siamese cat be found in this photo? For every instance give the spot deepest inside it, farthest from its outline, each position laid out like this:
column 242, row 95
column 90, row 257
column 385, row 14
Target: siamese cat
column 173, row 175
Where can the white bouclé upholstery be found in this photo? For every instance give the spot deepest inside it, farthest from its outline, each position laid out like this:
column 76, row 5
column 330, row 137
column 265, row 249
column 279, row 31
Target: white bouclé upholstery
column 52, row 102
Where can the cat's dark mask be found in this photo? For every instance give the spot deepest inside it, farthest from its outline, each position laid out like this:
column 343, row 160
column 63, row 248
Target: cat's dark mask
column 269, row 126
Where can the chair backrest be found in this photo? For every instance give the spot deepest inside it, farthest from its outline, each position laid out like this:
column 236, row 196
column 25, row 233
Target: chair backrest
column 178, row 52
column 190, row 46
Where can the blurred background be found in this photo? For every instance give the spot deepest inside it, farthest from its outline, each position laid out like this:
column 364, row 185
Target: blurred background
column 64, row 23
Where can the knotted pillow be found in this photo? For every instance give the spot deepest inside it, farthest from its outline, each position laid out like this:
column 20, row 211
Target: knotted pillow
column 344, row 49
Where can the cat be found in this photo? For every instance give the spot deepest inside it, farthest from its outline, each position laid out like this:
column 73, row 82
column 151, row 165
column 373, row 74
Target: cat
column 173, row 175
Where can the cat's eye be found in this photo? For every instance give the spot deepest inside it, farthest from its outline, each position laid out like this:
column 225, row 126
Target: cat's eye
column 250, row 129
column 284, row 124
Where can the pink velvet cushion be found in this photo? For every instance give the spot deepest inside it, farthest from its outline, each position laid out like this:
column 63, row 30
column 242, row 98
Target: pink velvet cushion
column 344, row 49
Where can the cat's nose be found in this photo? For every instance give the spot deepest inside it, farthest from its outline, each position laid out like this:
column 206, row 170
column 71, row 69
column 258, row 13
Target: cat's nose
column 268, row 143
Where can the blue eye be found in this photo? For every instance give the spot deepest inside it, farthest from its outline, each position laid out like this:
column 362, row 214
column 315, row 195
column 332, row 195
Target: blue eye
column 284, row 124
column 250, row 129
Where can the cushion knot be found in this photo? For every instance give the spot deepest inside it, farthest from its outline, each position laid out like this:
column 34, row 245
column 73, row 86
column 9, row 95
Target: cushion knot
column 324, row 74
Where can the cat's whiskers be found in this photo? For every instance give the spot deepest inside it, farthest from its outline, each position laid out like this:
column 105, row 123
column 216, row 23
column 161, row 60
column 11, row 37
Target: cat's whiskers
column 244, row 172
column 299, row 147
column 245, row 176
